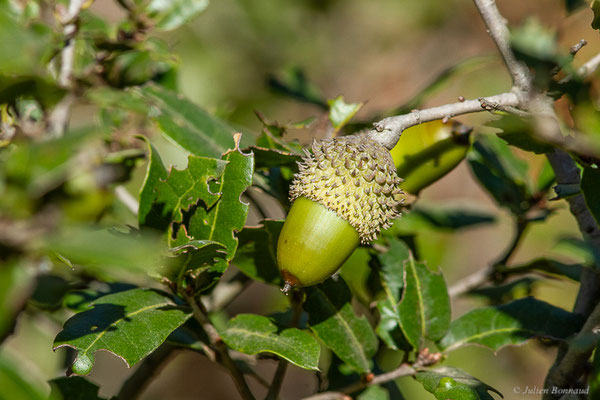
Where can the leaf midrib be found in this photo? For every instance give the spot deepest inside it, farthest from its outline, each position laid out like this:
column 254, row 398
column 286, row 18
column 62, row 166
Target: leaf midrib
column 485, row 334
column 347, row 327
column 207, row 138
column 114, row 324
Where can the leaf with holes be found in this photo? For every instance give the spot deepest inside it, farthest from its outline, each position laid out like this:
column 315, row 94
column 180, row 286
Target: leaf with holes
column 332, row 318
column 129, row 324
column 512, row 323
column 188, row 125
column 253, row 334
column 150, row 213
column 185, row 188
column 228, row 215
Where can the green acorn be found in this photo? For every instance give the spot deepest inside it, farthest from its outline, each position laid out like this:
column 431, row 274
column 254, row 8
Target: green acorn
column 344, row 193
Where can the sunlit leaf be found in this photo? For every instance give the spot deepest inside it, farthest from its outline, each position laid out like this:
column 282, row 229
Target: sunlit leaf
column 129, row 324
column 253, row 334
column 332, row 319
column 510, row 324
column 340, row 112
column 169, row 15
column 188, row 125
column 453, row 383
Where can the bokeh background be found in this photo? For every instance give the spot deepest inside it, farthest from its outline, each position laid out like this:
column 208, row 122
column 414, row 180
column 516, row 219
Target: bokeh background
column 380, row 52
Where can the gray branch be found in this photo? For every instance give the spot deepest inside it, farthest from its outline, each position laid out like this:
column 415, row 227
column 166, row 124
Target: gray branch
column 498, row 30
column 388, row 130
column 59, row 117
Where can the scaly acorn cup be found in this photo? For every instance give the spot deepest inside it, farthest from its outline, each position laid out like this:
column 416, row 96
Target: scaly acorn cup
column 343, row 194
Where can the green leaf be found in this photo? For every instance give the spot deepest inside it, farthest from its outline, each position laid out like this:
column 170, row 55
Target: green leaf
column 332, row 319
column 595, row 6
column 129, row 324
column 574, row 5
column 228, row 215
column 256, row 255
column 43, row 89
column 183, row 189
column 510, row 324
column 392, row 281
column 24, row 50
column 79, row 300
column 188, row 125
column 519, row 132
column 453, row 383
column 424, row 309
column 505, row 292
column 294, row 83
column 190, row 336
column 15, row 286
column 169, row 15
column 253, row 334
column 150, row 213
column 546, row 265
column 195, row 255
column 18, row 383
column 500, row 172
column 136, row 67
column 73, row 388
column 49, row 291
column 340, row 112
column 453, row 219
column 101, row 251
column 374, row 393
column 269, row 158
column 585, row 250
column 591, row 191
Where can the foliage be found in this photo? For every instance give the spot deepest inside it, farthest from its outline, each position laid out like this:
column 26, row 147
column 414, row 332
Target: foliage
column 136, row 275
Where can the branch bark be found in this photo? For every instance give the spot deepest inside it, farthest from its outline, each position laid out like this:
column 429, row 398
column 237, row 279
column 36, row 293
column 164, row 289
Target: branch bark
column 402, row 370
column 225, row 359
column 59, row 118
column 573, row 363
column 150, row 367
column 498, row 30
column 388, row 130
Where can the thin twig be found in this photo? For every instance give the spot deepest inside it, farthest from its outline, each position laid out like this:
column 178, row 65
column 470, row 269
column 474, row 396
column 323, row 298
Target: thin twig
column 388, row 130
column 296, row 303
column 148, row 369
column 215, row 340
column 59, row 117
column 402, row 370
column 127, row 199
column 498, row 30
column 573, row 363
column 226, row 292
column 481, row 276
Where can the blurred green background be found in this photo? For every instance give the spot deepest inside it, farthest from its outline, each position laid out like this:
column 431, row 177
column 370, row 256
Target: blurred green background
column 380, row 52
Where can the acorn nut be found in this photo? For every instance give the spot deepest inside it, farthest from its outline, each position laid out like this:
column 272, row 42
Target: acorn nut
column 344, row 193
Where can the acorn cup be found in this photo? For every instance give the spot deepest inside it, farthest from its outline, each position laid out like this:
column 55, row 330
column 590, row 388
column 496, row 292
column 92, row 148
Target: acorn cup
column 343, row 194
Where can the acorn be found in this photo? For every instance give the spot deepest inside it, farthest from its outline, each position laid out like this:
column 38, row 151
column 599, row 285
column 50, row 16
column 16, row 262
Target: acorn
column 426, row 152
column 344, row 194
